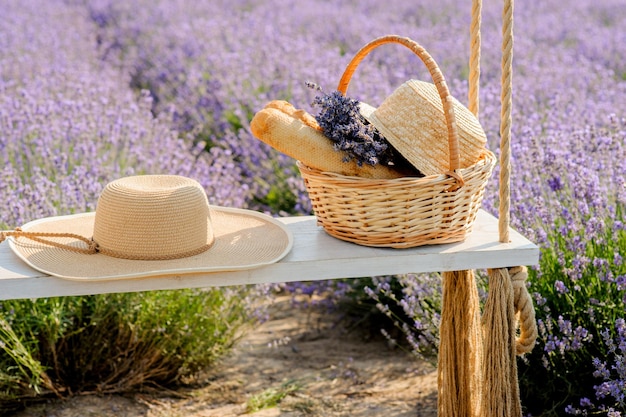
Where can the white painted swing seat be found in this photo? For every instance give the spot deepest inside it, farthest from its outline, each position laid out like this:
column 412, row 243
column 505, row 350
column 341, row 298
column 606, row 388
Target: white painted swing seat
column 315, row 256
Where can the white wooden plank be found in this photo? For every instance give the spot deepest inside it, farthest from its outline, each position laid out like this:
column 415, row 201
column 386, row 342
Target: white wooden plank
column 315, row 256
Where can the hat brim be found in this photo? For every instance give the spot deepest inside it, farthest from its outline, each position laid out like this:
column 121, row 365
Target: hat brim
column 244, row 239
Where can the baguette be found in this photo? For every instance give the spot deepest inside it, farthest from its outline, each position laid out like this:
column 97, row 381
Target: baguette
column 296, row 134
column 290, row 110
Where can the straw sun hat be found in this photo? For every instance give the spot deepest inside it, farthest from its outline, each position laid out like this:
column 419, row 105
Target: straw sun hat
column 412, row 119
column 150, row 225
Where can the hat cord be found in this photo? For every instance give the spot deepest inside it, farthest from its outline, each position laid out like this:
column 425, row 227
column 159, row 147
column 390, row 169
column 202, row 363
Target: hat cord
column 92, row 247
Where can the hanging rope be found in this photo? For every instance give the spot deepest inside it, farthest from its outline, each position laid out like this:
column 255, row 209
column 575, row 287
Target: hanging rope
column 477, row 369
column 474, row 62
column 508, row 296
column 505, row 120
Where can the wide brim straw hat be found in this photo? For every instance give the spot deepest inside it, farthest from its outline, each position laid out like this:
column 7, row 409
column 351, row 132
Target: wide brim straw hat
column 412, row 120
column 151, row 225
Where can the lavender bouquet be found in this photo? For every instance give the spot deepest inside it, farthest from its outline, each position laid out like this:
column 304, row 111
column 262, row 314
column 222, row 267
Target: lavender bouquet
column 342, row 122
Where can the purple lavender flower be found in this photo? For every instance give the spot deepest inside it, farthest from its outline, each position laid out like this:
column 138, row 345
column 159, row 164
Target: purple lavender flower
column 560, row 287
column 341, row 121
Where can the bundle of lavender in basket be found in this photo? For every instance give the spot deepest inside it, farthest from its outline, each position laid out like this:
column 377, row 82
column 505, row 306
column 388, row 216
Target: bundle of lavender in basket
column 356, row 138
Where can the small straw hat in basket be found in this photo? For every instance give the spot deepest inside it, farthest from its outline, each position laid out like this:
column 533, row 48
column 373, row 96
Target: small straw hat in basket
column 413, row 121
column 150, row 225
column 407, row 212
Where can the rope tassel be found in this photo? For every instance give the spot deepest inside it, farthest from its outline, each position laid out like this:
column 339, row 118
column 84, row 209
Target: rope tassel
column 507, row 298
column 460, row 348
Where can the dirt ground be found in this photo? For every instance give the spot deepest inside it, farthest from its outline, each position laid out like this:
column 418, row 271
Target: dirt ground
column 305, row 356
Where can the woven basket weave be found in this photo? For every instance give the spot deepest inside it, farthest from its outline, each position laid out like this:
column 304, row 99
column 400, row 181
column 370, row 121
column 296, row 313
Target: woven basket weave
column 402, row 212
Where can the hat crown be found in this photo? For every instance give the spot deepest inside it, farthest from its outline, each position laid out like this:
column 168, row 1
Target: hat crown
column 152, row 217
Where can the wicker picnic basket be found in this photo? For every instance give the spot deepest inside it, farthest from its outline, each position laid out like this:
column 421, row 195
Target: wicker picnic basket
column 402, row 212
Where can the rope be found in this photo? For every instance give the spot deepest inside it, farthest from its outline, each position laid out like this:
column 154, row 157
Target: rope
column 505, row 120
column 501, row 389
column 41, row 237
column 459, row 362
column 508, row 299
column 497, row 384
column 93, row 247
column 474, row 63
column 524, row 309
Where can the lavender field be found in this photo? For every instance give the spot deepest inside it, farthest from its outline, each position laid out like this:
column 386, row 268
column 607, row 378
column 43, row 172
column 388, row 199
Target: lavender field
column 91, row 90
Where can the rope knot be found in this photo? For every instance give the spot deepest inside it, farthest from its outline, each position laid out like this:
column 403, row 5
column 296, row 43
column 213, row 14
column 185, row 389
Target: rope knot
column 525, row 309
column 93, row 246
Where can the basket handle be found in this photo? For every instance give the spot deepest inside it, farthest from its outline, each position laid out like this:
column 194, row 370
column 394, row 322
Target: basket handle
column 438, row 78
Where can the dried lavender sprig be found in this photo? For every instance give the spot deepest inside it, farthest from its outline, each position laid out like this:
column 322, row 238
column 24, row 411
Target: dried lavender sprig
column 342, row 122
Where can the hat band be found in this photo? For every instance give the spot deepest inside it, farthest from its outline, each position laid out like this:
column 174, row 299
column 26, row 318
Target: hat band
column 93, row 247
column 122, row 255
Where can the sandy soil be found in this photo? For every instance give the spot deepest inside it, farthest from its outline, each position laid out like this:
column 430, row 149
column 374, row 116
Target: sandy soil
column 306, row 354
